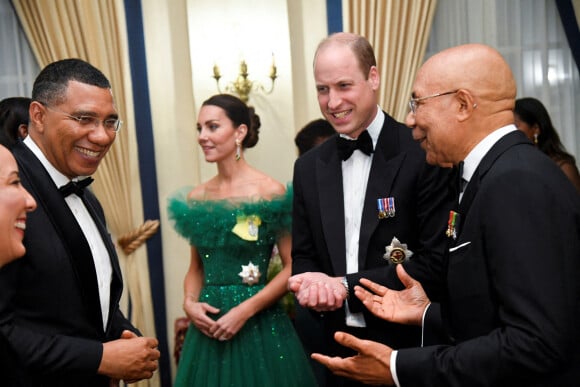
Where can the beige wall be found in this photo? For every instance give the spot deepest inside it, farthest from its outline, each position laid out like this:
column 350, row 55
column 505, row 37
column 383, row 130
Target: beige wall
column 224, row 31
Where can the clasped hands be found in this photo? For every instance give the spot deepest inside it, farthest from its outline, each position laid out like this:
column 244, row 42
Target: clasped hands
column 130, row 358
column 372, row 363
column 225, row 327
column 318, row 291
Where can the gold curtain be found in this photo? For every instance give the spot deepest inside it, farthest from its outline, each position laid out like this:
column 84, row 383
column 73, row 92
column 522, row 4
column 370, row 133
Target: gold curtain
column 399, row 32
column 95, row 31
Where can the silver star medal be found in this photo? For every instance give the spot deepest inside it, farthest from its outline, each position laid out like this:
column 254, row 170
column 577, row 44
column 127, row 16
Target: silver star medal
column 250, row 274
column 397, row 252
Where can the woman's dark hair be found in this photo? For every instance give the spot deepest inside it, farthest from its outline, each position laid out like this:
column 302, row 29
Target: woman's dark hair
column 239, row 113
column 533, row 112
column 13, row 113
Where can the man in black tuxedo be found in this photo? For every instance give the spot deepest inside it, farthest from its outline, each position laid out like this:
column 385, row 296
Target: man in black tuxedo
column 59, row 305
column 350, row 204
column 511, row 307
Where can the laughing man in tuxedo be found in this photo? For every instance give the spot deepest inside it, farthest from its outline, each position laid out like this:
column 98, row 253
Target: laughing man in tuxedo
column 354, row 194
column 59, row 306
column 511, row 308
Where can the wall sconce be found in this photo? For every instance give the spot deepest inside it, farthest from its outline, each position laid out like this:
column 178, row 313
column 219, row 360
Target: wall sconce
column 242, row 86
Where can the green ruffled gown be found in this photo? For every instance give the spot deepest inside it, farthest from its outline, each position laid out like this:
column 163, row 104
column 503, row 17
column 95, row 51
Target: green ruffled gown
column 266, row 351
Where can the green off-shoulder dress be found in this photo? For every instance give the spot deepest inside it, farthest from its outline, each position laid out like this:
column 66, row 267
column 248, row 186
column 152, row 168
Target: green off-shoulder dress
column 234, row 238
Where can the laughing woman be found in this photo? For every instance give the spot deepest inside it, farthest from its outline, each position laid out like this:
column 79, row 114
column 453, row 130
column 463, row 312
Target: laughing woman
column 15, row 202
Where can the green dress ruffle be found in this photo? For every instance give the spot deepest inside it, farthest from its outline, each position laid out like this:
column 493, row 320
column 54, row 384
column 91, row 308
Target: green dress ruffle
column 266, row 351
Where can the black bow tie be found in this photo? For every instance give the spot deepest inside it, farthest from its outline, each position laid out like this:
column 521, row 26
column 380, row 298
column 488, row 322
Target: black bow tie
column 345, row 146
column 75, row 187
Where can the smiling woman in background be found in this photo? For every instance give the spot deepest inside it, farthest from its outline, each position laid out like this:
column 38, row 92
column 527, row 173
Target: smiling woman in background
column 15, row 202
column 532, row 118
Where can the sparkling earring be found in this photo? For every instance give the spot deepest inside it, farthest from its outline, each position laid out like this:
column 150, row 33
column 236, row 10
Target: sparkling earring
column 238, row 150
column 536, row 138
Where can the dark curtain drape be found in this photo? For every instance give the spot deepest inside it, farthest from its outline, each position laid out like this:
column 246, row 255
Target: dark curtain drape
column 569, row 15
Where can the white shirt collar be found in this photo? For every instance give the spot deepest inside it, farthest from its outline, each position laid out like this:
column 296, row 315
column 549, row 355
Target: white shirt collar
column 474, row 157
column 376, row 125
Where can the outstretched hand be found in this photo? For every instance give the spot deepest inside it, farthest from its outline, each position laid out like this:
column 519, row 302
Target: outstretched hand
column 401, row 306
column 372, row 364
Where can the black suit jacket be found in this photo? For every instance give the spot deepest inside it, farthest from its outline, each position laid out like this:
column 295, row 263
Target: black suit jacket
column 512, row 311
column 50, row 313
column 398, row 170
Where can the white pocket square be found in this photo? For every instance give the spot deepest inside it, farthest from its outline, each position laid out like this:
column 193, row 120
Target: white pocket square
column 452, row 249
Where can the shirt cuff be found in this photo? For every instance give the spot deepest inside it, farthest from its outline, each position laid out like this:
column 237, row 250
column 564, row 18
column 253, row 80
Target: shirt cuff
column 423, row 323
column 394, row 368
column 393, row 364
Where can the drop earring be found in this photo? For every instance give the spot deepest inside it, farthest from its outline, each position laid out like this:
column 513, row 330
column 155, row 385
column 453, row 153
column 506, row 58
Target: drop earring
column 238, row 150
column 536, row 138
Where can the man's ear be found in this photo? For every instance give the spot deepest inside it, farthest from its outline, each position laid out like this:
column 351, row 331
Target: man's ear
column 467, row 104
column 37, row 115
column 374, row 78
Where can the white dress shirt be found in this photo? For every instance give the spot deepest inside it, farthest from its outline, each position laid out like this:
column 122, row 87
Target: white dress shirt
column 99, row 252
column 355, row 176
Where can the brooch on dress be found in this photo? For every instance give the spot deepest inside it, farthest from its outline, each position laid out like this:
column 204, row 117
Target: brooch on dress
column 247, row 227
column 250, row 274
column 397, row 252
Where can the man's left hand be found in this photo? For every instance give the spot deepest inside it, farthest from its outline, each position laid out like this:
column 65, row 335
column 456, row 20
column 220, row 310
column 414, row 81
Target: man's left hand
column 371, row 366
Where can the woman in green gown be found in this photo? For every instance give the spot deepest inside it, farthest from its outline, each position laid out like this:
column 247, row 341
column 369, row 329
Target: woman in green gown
column 239, row 334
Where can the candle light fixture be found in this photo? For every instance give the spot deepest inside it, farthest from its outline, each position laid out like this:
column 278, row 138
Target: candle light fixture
column 242, row 86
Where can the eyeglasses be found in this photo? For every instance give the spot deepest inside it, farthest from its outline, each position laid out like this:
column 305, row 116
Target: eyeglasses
column 413, row 101
column 90, row 122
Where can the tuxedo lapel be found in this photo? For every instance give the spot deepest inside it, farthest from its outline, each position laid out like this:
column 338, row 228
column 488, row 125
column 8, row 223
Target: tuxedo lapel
column 329, row 171
column 96, row 213
column 51, row 200
column 504, row 143
column 387, row 161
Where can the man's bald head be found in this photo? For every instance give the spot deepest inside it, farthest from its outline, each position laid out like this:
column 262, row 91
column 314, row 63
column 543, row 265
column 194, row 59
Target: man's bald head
column 478, row 93
column 477, row 68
